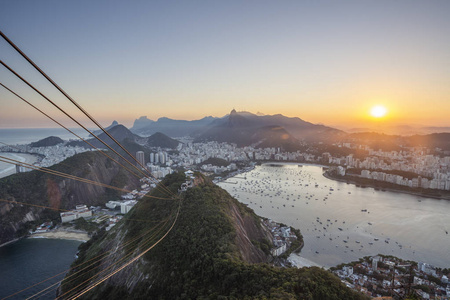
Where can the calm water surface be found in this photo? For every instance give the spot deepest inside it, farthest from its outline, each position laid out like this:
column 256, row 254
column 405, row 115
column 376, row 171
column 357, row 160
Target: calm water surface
column 13, row 136
column 29, row 261
column 333, row 219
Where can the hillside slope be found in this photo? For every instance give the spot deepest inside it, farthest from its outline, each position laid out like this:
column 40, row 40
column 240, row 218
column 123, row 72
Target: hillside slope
column 37, row 188
column 159, row 139
column 218, row 249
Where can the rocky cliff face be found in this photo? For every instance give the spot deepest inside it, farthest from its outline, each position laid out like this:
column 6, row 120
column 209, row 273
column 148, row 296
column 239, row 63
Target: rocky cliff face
column 37, row 192
column 213, row 251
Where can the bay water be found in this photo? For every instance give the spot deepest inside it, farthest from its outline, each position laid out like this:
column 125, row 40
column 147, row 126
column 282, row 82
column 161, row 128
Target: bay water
column 342, row 222
column 30, row 261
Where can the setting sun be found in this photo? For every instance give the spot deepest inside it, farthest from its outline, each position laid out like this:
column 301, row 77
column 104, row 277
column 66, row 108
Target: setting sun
column 378, row 111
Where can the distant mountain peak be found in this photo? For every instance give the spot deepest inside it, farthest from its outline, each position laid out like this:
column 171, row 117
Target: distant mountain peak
column 144, row 118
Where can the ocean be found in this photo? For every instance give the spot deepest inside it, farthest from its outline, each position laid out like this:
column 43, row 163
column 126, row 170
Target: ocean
column 30, row 261
column 341, row 222
column 19, row 136
column 14, row 136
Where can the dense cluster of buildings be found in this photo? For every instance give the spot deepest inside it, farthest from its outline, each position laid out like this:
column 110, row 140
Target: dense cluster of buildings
column 195, row 153
column 124, row 205
column 155, row 158
column 81, row 211
column 440, row 183
column 282, row 237
column 390, row 276
column 433, row 172
column 48, row 156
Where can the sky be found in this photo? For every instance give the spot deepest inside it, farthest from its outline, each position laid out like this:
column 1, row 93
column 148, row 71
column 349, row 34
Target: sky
column 325, row 62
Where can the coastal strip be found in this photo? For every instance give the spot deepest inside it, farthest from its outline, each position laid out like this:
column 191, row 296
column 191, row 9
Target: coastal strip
column 300, row 262
column 385, row 188
column 63, row 235
column 8, row 169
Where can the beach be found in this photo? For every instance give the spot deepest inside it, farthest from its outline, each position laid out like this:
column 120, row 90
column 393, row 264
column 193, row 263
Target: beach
column 63, row 234
column 301, row 262
column 7, row 169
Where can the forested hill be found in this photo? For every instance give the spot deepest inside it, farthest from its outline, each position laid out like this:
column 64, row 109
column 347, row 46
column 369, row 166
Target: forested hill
column 47, row 142
column 218, row 249
column 41, row 191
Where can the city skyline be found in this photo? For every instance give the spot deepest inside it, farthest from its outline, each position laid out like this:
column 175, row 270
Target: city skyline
column 324, row 62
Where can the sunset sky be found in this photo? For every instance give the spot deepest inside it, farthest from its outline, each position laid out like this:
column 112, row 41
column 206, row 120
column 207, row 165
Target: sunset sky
column 326, row 62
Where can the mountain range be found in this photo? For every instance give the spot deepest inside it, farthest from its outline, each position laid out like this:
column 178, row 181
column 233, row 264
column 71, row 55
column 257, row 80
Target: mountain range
column 245, row 129
column 242, row 128
column 132, row 142
column 173, row 128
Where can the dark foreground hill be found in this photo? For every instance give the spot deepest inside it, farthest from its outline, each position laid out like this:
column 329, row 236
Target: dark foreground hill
column 218, row 249
column 41, row 190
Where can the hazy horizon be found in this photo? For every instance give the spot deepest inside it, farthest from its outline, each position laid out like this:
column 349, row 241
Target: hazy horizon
column 325, row 62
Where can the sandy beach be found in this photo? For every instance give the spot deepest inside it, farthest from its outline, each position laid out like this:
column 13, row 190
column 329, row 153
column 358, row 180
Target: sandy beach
column 7, row 169
column 301, row 262
column 63, row 234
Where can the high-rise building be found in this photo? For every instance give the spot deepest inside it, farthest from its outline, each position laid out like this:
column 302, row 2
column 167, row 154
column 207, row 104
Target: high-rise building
column 162, row 158
column 152, row 157
column 140, row 157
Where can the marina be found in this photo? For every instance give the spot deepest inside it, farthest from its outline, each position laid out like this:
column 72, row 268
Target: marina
column 341, row 222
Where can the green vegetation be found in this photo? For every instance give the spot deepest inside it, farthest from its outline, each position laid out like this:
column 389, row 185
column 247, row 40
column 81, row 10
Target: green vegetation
column 200, row 258
column 216, row 162
column 47, row 142
column 82, row 224
column 44, row 191
column 159, row 139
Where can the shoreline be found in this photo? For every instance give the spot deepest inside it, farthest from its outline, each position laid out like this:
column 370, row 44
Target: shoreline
column 10, row 242
column 388, row 189
column 299, row 261
column 28, row 158
column 62, row 235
